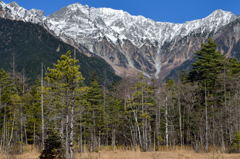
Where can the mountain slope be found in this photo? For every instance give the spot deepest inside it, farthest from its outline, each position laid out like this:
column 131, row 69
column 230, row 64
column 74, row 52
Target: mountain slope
column 130, row 44
column 139, row 41
column 227, row 39
column 31, row 44
column 13, row 11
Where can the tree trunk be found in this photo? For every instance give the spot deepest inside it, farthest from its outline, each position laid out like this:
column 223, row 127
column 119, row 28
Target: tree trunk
column 42, row 111
column 206, row 120
column 67, row 155
column 71, row 133
column 113, row 138
column 166, row 123
column 180, row 119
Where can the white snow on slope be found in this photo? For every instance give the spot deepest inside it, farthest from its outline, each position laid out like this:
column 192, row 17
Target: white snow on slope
column 86, row 25
column 117, row 23
column 14, row 12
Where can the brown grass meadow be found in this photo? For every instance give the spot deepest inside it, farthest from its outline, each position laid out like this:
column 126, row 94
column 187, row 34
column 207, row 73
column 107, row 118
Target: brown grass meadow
column 178, row 153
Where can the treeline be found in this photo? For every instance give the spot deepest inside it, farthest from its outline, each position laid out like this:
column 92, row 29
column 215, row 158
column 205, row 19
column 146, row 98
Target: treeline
column 201, row 109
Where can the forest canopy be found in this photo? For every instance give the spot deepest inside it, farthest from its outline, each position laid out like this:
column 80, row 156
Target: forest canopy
column 200, row 109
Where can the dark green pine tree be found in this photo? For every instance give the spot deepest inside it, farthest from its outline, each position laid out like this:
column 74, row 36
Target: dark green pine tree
column 206, row 69
column 63, row 90
column 32, row 109
column 6, row 88
column 94, row 114
column 115, row 118
column 53, row 147
column 209, row 63
column 9, row 100
column 232, row 68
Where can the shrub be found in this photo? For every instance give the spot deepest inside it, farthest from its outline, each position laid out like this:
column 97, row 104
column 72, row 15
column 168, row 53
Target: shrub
column 235, row 147
column 53, row 147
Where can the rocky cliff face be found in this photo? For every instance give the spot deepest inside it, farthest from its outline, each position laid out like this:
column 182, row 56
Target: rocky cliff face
column 228, row 39
column 129, row 43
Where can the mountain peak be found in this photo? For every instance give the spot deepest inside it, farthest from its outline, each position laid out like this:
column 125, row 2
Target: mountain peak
column 37, row 12
column 109, row 11
column 76, row 6
column 2, row 4
column 220, row 13
column 15, row 12
column 14, row 4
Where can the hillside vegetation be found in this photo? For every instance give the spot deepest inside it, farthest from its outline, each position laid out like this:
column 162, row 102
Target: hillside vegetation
column 62, row 115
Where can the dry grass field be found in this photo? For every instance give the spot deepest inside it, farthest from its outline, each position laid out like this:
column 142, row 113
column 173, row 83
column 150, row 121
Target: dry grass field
column 124, row 154
column 178, row 154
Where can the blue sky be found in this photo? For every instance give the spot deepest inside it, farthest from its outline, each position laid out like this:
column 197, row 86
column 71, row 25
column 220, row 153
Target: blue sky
column 177, row 11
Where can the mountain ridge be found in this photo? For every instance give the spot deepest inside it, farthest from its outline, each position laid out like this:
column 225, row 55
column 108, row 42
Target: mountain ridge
column 128, row 43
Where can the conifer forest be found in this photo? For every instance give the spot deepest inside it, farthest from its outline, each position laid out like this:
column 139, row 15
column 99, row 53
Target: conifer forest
column 61, row 114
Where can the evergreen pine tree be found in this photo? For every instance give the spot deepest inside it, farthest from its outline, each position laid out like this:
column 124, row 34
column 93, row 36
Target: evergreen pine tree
column 65, row 89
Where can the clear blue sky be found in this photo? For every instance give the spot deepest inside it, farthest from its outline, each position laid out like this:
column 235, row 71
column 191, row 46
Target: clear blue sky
column 177, row 11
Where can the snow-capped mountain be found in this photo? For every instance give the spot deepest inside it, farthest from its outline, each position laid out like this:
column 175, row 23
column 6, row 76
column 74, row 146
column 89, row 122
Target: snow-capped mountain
column 77, row 21
column 14, row 12
column 129, row 43
column 89, row 26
